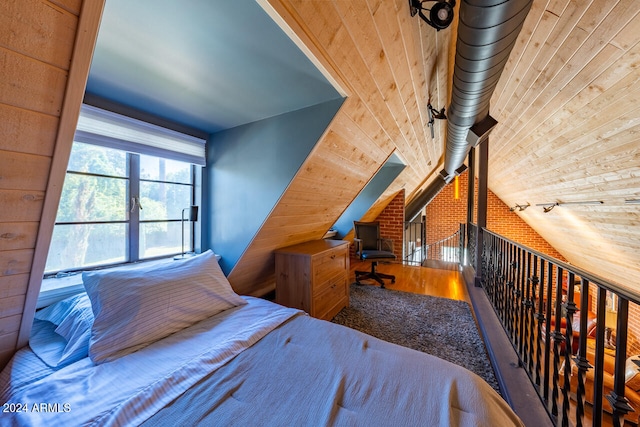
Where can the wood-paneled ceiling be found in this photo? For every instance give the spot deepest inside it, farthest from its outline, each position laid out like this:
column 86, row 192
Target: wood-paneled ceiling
column 566, row 107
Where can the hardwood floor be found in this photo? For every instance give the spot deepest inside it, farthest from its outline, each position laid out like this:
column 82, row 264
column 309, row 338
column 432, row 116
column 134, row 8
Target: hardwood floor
column 419, row 280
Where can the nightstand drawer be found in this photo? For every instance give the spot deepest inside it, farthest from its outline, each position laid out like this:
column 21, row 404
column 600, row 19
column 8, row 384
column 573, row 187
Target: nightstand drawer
column 320, row 288
column 332, row 299
column 330, row 264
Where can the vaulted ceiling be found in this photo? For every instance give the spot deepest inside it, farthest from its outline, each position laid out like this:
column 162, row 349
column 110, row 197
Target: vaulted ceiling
column 566, row 105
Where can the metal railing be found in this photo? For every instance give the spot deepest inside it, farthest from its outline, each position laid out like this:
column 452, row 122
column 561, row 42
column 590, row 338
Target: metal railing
column 472, row 230
column 448, row 249
column 529, row 292
column 414, row 242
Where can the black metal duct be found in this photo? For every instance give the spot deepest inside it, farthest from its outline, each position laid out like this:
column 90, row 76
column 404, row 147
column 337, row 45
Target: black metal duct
column 487, row 32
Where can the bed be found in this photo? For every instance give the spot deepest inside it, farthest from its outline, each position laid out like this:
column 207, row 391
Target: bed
column 174, row 345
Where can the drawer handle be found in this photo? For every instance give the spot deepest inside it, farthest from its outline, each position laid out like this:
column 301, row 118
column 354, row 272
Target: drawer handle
column 333, row 256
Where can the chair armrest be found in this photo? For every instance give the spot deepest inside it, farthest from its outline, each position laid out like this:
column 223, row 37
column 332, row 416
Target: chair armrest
column 385, row 244
column 358, row 245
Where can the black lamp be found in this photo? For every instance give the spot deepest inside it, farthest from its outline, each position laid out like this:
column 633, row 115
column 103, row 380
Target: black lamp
column 193, row 216
column 433, row 115
column 440, row 14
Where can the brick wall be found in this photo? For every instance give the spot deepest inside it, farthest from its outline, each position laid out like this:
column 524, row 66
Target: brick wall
column 445, row 213
column 391, row 224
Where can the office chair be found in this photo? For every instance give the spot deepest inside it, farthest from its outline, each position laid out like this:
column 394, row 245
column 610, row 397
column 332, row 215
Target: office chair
column 370, row 247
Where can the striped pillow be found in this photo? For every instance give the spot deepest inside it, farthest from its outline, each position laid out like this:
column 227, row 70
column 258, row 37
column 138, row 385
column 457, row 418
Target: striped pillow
column 135, row 307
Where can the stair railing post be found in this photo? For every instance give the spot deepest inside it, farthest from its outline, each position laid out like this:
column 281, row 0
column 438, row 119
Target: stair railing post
column 581, row 360
column 616, row 398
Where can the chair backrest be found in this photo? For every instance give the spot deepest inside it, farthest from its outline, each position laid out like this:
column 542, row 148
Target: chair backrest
column 368, row 233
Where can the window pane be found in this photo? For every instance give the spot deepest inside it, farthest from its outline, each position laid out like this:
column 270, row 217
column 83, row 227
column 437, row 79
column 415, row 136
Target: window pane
column 99, row 160
column 159, row 169
column 75, row 246
column 163, row 238
column 162, row 201
column 91, row 198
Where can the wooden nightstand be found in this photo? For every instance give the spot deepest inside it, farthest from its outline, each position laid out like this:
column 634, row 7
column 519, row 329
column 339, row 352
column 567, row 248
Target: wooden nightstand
column 314, row 277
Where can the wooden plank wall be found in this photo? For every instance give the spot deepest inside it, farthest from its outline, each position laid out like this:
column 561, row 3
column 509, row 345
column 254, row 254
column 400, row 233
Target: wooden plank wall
column 389, row 64
column 36, row 55
column 569, row 126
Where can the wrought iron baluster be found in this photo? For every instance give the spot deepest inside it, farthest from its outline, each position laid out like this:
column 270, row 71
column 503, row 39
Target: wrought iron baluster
column 539, row 320
column 503, row 279
column 510, row 293
column 530, row 305
column 582, row 363
column 558, row 338
column 513, row 294
column 616, row 398
column 570, row 308
column 520, row 298
column 491, row 291
column 598, row 380
column 548, row 340
column 503, row 283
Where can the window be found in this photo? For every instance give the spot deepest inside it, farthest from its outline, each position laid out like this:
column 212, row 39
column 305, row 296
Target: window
column 120, row 205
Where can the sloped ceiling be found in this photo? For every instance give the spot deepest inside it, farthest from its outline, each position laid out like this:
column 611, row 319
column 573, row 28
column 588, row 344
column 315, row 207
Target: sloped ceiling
column 389, row 65
column 566, row 105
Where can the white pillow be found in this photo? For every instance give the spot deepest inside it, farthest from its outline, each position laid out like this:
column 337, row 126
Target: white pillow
column 135, row 307
column 61, row 332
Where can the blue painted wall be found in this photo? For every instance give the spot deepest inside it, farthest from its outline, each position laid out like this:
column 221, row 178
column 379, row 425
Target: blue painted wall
column 248, row 169
column 369, row 194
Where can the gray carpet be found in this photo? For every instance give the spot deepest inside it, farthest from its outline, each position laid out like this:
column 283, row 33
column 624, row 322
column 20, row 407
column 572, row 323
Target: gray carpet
column 439, row 326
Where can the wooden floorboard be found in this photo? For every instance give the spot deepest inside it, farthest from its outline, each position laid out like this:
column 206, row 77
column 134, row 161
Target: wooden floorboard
column 419, row 280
